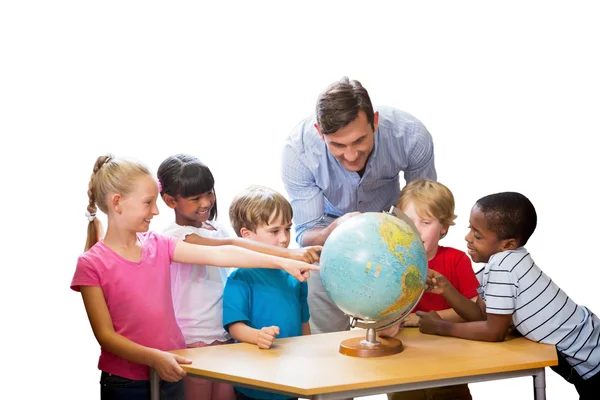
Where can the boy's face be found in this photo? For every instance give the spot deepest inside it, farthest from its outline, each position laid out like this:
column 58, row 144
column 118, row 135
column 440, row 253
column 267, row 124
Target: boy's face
column 430, row 229
column 482, row 243
column 277, row 233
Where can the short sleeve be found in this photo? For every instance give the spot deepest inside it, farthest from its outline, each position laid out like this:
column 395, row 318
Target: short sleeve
column 304, row 311
column 236, row 302
column 85, row 274
column 169, row 242
column 467, row 281
column 501, row 290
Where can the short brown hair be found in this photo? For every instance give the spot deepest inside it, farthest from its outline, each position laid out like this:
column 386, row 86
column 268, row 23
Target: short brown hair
column 430, row 198
column 258, row 205
column 340, row 103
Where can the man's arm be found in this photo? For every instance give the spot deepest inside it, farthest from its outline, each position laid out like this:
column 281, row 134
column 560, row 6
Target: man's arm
column 306, row 198
column 318, row 236
column 421, row 160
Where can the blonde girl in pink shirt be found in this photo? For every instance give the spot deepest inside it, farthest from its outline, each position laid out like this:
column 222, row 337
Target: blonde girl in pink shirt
column 124, row 280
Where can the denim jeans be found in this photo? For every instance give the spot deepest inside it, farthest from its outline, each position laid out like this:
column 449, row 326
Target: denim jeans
column 113, row 387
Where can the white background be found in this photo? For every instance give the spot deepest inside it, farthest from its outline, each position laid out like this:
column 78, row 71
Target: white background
column 509, row 92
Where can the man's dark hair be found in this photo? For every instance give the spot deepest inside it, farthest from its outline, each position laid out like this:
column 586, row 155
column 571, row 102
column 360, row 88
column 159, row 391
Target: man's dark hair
column 509, row 215
column 340, row 104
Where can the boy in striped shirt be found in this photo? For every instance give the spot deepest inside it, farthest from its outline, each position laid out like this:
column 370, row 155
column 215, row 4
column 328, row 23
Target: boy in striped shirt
column 515, row 292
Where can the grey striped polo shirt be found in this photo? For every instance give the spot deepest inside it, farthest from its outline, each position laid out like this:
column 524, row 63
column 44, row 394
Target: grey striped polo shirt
column 511, row 283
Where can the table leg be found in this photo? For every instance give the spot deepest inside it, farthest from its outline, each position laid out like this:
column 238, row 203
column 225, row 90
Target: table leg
column 539, row 385
column 154, row 385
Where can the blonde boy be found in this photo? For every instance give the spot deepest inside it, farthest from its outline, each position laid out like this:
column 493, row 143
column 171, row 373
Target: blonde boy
column 430, row 205
column 260, row 306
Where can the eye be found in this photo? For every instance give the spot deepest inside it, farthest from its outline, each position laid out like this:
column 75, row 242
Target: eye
column 288, row 229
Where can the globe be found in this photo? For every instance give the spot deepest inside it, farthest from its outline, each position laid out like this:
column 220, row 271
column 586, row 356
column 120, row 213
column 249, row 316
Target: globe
column 374, row 267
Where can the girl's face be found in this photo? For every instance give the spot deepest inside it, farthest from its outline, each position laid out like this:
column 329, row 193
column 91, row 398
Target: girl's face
column 194, row 210
column 137, row 209
column 430, row 229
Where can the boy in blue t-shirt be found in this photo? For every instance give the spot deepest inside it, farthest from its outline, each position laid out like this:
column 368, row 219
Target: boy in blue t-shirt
column 261, row 304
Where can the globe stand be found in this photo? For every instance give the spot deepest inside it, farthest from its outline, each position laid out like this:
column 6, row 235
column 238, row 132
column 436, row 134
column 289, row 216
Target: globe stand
column 372, row 346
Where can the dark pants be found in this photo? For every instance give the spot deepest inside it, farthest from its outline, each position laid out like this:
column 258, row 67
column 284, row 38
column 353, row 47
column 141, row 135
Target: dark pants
column 113, row 387
column 241, row 396
column 588, row 389
column 455, row 392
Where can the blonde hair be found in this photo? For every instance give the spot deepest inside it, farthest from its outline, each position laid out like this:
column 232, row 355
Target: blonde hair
column 431, row 199
column 258, row 205
column 110, row 175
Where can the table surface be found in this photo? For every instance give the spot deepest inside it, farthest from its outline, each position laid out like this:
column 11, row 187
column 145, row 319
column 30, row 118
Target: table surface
column 311, row 365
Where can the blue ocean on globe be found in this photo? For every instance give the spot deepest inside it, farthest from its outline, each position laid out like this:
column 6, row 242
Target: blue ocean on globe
column 374, row 267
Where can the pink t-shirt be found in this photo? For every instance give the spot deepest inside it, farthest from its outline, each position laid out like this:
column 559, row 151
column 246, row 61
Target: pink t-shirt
column 138, row 295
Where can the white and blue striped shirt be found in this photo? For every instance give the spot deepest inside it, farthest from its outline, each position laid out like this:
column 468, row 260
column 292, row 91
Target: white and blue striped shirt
column 321, row 189
column 511, row 283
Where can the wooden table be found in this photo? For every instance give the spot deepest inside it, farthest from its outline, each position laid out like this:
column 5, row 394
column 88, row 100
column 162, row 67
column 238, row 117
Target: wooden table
column 312, row 367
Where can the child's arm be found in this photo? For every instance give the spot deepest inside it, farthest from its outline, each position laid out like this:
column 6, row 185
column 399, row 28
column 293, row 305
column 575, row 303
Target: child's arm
column 494, row 329
column 166, row 364
column 232, row 256
column 305, row 328
column 467, row 309
column 307, row 254
column 412, row 319
column 263, row 338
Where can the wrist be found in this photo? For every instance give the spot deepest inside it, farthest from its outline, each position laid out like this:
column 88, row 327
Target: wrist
column 443, row 327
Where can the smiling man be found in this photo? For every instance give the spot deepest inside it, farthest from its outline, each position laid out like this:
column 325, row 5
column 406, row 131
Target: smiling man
column 347, row 159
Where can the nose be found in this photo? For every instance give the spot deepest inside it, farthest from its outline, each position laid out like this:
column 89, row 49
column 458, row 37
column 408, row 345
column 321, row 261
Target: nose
column 284, row 238
column 206, row 202
column 351, row 156
column 468, row 237
column 154, row 209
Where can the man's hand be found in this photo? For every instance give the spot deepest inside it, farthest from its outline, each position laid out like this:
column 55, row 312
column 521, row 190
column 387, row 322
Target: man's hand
column 429, row 322
column 344, row 218
column 266, row 336
column 309, row 254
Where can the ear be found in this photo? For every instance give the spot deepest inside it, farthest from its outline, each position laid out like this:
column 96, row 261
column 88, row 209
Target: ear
column 319, row 130
column 375, row 121
column 509, row 244
column 169, row 200
column 245, row 233
column 115, row 203
column 444, row 231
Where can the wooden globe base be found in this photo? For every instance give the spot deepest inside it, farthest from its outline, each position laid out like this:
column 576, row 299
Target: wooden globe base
column 359, row 347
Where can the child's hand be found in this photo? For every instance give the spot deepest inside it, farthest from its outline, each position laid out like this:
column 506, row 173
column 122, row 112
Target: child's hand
column 298, row 269
column 429, row 322
column 167, row 366
column 390, row 331
column 266, row 336
column 410, row 320
column 309, row 254
column 436, row 282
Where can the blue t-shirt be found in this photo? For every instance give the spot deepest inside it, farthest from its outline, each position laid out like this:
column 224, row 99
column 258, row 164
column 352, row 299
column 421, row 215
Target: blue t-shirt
column 265, row 297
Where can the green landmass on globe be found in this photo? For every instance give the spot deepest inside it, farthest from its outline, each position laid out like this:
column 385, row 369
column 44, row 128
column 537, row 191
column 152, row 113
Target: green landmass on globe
column 374, row 266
